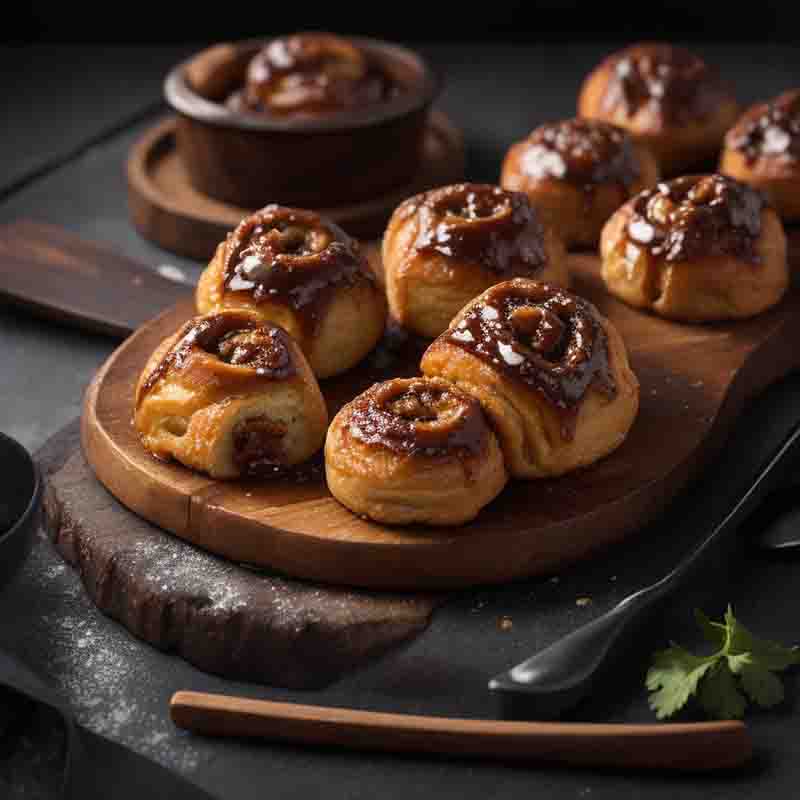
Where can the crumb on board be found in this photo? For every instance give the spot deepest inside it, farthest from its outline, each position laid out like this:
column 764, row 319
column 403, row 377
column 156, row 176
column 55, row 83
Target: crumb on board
column 505, row 623
column 581, row 602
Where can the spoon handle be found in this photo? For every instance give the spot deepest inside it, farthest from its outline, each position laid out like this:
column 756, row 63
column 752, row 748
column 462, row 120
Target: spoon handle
column 558, row 677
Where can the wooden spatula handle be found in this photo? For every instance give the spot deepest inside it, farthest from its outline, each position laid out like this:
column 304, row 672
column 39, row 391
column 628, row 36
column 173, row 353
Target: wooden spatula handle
column 682, row 746
column 56, row 274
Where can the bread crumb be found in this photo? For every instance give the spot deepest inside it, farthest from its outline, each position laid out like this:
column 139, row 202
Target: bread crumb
column 583, row 601
column 505, row 623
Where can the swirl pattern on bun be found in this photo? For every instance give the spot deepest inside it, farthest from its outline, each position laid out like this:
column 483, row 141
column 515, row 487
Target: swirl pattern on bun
column 445, row 246
column 550, row 371
column 301, row 271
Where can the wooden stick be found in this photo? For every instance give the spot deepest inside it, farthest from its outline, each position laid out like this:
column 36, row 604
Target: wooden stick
column 677, row 746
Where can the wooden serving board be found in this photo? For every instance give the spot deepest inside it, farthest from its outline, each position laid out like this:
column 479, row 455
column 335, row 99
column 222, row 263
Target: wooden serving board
column 695, row 381
column 167, row 209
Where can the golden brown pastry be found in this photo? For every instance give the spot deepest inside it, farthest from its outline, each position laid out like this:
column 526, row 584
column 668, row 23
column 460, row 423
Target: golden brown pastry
column 549, row 370
column 299, row 270
column 577, row 173
column 696, row 248
column 413, row 450
column 763, row 150
column 442, row 248
column 311, row 74
column 670, row 100
column 231, row 395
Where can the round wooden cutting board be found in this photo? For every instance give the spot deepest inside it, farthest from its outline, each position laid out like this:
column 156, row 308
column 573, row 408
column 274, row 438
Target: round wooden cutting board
column 695, row 380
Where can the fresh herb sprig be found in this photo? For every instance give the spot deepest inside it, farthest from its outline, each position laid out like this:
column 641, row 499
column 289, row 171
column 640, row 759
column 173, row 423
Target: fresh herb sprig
column 743, row 667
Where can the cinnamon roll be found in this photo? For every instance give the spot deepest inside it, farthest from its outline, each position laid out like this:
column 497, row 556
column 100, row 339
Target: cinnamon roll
column 413, row 450
column 763, row 150
column 670, row 100
column 442, row 248
column 230, row 395
column 297, row 269
column 576, row 173
column 311, row 74
column 696, row 248
column 550, row 371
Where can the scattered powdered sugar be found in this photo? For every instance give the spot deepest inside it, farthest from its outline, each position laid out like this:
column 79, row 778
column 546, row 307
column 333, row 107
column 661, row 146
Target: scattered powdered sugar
column 97, row 663
column 97, row 666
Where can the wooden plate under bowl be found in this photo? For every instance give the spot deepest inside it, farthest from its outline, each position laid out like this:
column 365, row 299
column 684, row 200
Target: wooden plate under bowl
column 168, row 210
column 695, row 380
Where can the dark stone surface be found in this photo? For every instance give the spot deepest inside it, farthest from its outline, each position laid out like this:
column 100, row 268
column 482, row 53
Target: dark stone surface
column 219, row 616
column 120, row 687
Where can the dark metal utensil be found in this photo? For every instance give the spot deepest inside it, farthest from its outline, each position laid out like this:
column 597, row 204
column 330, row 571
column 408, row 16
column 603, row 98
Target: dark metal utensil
column 783, row 534
column 20, row 502
column 554, row 680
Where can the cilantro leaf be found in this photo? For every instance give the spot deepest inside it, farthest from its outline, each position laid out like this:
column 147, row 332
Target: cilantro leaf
column 673, row 678
column 761, row 685
column 742, row 668
column 771, row 655
column 720, row 696
column 715, row 632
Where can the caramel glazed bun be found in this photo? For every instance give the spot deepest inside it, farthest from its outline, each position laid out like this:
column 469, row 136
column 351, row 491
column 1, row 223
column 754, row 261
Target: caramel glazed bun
column 577, row 173
column 667, row 98
column 297, row 269
column 442, row 248
column 763, row 150
column 551, row 374
column 311, row 74
column 696, row 248
column 230, row 395
column 413, row 450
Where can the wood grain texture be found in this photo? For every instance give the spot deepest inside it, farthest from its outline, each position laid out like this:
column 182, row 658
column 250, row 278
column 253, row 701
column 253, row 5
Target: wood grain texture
column 695, row 380
column 219, row 616
column 167, row 209
column 681, row 746
column 58, row 275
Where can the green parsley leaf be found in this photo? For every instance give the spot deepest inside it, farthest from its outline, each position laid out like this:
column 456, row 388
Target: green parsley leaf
column 720, row 696
column 742, row 667
column 673, row 678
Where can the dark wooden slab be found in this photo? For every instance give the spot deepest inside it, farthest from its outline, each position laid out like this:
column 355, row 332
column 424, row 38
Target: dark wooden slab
column 168, row 210
column 50, row 271
column 695, row 379
column 219, row 616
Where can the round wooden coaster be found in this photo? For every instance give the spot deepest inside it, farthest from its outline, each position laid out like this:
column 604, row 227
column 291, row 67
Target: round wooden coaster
column 688, row 404
column 166, row 209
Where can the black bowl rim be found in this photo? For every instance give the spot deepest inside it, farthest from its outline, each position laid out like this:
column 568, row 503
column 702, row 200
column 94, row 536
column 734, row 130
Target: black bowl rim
column 21, row 522
column 183, row 99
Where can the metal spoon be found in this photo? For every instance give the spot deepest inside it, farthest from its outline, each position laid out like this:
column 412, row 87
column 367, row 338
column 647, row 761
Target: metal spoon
column 554, row 680
column 782, row 535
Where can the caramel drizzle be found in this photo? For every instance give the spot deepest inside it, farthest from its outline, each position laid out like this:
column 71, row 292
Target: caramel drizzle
column 312, row 73
column 770, row 130
column 481, row 224
column 698, row 216
column 232, row 338
column 419, row 417
column 544, row 338
column 583, row 152
column 673, row 82
column 293, row 257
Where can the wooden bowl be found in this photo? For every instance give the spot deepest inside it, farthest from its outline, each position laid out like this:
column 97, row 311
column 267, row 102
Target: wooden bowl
column 251, row 160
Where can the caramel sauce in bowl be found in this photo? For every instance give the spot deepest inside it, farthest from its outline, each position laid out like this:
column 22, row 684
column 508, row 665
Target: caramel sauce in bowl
column 320, row 158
